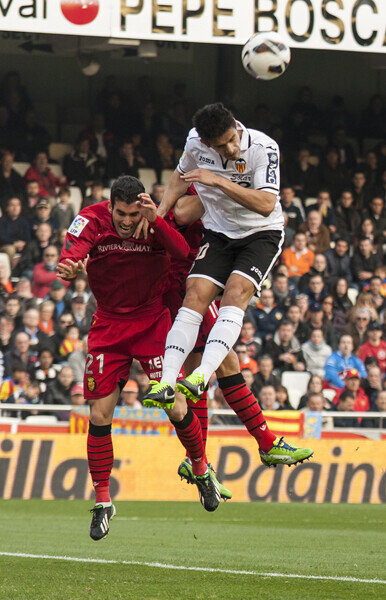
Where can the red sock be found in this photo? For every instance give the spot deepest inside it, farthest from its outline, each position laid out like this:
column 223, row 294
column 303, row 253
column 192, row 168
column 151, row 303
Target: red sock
column 243, row 402
column 100, row 460
column 190, row 435
column 200, row 408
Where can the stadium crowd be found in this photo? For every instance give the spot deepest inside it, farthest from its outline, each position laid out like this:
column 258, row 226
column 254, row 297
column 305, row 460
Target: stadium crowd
column 322, row 310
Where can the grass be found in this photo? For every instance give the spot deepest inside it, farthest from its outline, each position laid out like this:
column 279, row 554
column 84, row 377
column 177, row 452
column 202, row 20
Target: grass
column 307, row 539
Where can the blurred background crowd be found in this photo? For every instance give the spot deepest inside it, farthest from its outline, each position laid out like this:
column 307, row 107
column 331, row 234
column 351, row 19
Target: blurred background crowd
column 314, row 340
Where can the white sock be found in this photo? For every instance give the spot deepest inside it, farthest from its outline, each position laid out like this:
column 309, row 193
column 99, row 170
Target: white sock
column 179, row 343
column 221, row 339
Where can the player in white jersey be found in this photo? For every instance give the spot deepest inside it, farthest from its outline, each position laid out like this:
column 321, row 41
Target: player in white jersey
column 236, row 174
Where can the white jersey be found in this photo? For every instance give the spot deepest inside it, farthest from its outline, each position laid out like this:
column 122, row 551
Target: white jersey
column 257, row 168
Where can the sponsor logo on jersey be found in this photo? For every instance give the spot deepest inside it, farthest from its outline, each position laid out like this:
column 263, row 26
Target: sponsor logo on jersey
column 240, row 165
column 273, row 162
column 91, row 384
column 68, row 244
column 126, row 246
column 257, row 271
column 77, row 226
column 205, row 159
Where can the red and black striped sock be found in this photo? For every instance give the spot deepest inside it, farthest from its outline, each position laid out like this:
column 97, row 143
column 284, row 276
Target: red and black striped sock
column 243, row 402
column 201, row 410
column 190, row 435
column 100, row 459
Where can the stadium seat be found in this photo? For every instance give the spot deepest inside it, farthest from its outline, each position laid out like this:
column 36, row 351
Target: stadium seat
column 309, row 201
column 166, row 175
column 76, row 198
column 296, row 383
column 58, row 150
column 148, row 178
column 21, row 167
column 41, row 420
column 352, row 294
column 329, row 394
column 297, row 202
column 106, row 192
column 56, row 169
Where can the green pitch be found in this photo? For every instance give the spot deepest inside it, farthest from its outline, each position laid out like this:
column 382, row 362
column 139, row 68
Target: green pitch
column 265, row 540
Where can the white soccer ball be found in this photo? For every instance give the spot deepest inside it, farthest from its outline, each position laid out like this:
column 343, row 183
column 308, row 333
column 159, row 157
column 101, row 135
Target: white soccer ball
column 265, row 55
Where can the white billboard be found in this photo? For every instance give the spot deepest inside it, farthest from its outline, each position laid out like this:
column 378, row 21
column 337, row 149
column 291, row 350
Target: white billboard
column 356, row 25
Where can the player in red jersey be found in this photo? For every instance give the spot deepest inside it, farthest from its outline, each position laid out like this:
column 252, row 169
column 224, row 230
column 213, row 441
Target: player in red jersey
column 128, row 278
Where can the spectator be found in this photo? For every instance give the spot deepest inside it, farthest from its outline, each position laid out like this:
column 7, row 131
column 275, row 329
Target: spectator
column 316, row 321
column 77, row 397
column 364, row 300
column 267, row 398
column 123, row 162
column 40, row 171
column 45, row 370
column 329, row 314
column 96, row 195
column 81, row 166
column 324, row 208
column 7, row 327
column 347, row 217
column 367, row 230
column 314, row 386
column 360, row 190
column 265, row 376
column 6, row 287
column 24, row 292
column 157, row 193
column 358, row 329
column 13, row 309
column 248, row 377
column 375, row 345
column 373, row 118
column 302, row 301
column 352, row 382
column 32, row 198
column 102, row 141
column 317, row 234
column 315, row 403
column 245, row 361
column 129, row 395
column 57, row 295
column 364, row 262
column 65, row 319
column 316, row 290
column 63, row 211
column 79, row 288
column 373, row 384
column 78, row 309
column 33, row 137
column 71, row 342
column 163, row 154
column 379, row 406
column 16, row 380
column 44, row 273
column 332, row 174
column 346, row 404
column 376, row 213
column 14, row 229
column 292, row 212
column 19, row 353
column 375, row 291
column 266, row 316
column 285, row 349
column 43, row 215
column 319, row 267
column 303, row 176
column 77, row 361
column 11, row 183
column 345, row 149
column 316, row 352
column 30, row 394
column 283, row 398
column 298, row 258
column 283, row 291
column 46, row 321
column 247, row 337
column 33, row 251
column 59, row 390
column 30, row 325
column 301, row 331
column 338, row 261
column 342, row 360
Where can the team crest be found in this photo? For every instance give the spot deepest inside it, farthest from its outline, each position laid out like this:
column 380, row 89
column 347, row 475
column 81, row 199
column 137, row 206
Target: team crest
column 240, row 165
column 91, row 384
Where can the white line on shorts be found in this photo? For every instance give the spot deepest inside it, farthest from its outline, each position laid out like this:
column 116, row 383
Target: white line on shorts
column 184, row 568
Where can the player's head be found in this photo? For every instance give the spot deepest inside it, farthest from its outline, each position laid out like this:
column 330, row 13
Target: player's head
column 122, row 205
column 216, row 126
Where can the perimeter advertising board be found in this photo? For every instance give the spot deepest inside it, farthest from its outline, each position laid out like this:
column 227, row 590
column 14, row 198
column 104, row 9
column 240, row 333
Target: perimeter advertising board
column 48, row 467
column 357, row 25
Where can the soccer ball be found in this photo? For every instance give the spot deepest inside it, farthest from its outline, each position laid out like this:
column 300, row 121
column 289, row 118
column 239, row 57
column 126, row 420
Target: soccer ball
column 265, row 55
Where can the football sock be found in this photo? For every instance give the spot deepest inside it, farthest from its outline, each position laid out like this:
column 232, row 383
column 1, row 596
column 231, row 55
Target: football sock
column 100, row 460
column 179, row 343
column 221, row 339
column 201, row 410
column 243, row 402
column 190, row 435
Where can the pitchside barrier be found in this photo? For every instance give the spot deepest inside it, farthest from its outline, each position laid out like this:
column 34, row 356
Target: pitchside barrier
column 47, row 461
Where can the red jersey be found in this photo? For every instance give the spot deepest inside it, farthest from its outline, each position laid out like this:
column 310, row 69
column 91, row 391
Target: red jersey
column 379, row 352
column 361, row 401
column 124, row 275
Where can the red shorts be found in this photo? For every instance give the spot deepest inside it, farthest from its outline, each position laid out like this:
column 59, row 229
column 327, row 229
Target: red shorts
column 113, row 342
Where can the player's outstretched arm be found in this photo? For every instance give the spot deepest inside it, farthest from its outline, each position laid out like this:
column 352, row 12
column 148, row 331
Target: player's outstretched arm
column 69, row 269
column 176, row 188
column 257, row 201
column 188, row 209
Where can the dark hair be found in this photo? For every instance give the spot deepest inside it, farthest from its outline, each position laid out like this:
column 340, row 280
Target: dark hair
column 64, row 190
column 18, row 366
column 126, row 189
column 213, row 120
column 346, row 394
column 32, row 181
column 277, row 275
column 341, row 239
column 375, row 277
column 46, row 349
column 286, row 322
column 97, row 183
column 364, row 238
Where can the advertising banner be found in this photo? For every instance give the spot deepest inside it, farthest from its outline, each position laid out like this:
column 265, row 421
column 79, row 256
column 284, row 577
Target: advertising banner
column 357, row 25
column 145, row 468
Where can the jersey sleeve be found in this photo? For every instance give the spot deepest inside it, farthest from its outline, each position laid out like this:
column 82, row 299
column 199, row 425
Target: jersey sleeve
column 80, row 237
column 267, row 168
column 187, row 162
column 170, row 239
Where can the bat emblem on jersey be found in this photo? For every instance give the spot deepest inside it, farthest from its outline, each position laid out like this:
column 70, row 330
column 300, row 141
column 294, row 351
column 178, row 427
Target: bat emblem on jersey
column 91, row 384
column 240, row 165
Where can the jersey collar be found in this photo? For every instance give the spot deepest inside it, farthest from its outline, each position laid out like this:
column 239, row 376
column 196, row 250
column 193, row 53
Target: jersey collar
column 245, row 141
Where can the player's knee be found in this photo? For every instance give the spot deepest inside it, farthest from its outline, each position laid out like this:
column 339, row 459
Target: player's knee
column 237, row 294
column 196, row 299
column 100, row 414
